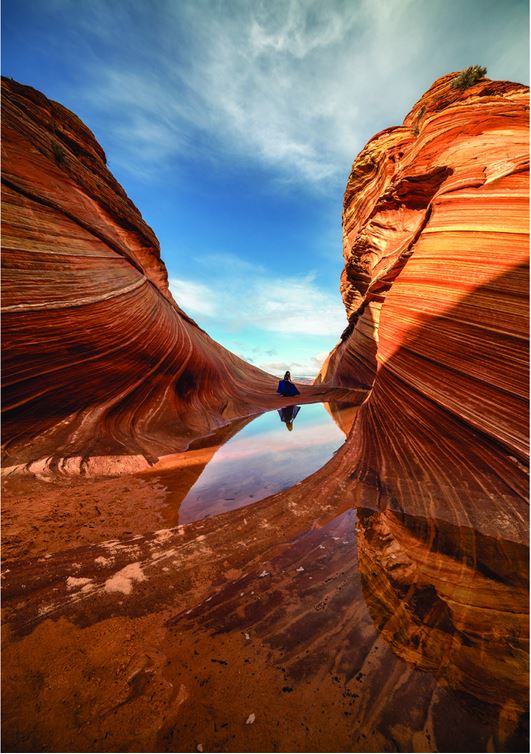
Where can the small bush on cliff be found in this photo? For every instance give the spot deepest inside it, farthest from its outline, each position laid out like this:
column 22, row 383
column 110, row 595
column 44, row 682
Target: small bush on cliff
column 469, row 77
column 58, row 153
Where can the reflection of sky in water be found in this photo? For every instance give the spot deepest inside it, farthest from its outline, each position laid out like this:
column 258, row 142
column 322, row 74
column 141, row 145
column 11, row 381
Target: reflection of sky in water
column 262, row 459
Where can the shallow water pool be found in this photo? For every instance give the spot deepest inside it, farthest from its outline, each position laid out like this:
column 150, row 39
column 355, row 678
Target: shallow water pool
column 271, row 453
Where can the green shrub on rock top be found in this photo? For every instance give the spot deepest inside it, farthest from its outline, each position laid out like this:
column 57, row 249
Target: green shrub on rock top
column 468, row 77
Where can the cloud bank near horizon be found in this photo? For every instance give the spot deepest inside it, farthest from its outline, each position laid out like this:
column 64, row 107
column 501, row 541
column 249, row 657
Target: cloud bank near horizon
column 257, row 313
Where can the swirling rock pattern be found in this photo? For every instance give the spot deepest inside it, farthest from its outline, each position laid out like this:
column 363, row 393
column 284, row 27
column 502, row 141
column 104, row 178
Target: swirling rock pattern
column 435, row 284
column 102, row 370
column 436, row 287
column 378, row 605
column 435, row 219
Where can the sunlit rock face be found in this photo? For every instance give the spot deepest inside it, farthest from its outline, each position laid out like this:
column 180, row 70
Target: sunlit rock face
column 435, row 226
column 436, row 288
column 100, row 366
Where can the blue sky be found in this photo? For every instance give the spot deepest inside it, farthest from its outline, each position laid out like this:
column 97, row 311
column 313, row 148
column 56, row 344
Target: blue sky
column 233, row 125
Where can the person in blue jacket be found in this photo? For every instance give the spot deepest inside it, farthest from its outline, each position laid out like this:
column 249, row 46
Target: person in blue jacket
column 288, row 414
column 286, row 386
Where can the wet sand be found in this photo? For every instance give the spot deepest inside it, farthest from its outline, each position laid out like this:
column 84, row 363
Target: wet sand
column 298, row 623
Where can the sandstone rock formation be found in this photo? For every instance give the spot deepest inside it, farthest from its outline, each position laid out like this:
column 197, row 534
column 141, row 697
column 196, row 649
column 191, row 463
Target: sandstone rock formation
column 435, row 285
column 387, row 592
column 101, row 368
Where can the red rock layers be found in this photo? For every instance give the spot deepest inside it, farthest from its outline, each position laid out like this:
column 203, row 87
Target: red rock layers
column 407, row 552
column 100, row 364
column 435, row 285
column 435, row 280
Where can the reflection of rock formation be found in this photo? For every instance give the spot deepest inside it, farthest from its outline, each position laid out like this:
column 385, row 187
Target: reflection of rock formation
column 343, row 414
column 98, row 359
column 180, row 471
column 450, row 601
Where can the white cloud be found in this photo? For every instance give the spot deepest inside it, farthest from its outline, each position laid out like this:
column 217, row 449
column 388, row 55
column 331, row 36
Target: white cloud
column 294, row 85
column 277, row 323
column 293, row 305
column 193, row 298
column 287, row 305
column 308, row 367
column 292, row 313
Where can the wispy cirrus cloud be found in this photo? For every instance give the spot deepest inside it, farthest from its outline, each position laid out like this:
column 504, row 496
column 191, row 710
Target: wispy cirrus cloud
column 295, row 85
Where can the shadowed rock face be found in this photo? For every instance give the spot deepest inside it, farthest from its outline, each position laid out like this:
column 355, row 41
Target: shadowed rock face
column 435, row 284
column 378, row 605
column 99, row 361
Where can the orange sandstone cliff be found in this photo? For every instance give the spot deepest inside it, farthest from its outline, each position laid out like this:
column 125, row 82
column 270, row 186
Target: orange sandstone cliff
column 435, row 284
column 414, row 534
column 99, row 361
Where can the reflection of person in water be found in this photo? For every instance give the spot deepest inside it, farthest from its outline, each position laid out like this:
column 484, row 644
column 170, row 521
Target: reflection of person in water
column 288, row 414
column 286, row 386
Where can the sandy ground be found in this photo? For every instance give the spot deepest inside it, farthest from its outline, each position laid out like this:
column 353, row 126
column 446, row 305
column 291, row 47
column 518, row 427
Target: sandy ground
column 40, row 518
column 250, row 631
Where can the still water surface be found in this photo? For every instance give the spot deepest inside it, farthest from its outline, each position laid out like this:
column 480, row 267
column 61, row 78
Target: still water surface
column 328, row 628
column 270, row 454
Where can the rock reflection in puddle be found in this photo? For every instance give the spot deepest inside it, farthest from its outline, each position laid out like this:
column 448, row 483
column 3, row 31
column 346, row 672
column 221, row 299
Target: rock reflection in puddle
column 270, row 454
column 338, row 628
column 306, row 594
column 405, row 632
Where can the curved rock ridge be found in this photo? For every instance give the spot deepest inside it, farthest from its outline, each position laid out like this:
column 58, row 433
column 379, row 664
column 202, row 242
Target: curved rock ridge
column 102, row 370
column 435, row 284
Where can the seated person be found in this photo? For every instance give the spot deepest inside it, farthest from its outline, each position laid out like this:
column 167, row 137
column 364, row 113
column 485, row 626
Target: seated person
column 286, row 386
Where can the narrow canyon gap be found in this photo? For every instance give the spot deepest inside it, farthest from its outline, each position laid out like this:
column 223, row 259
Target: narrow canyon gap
column 379, row 604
